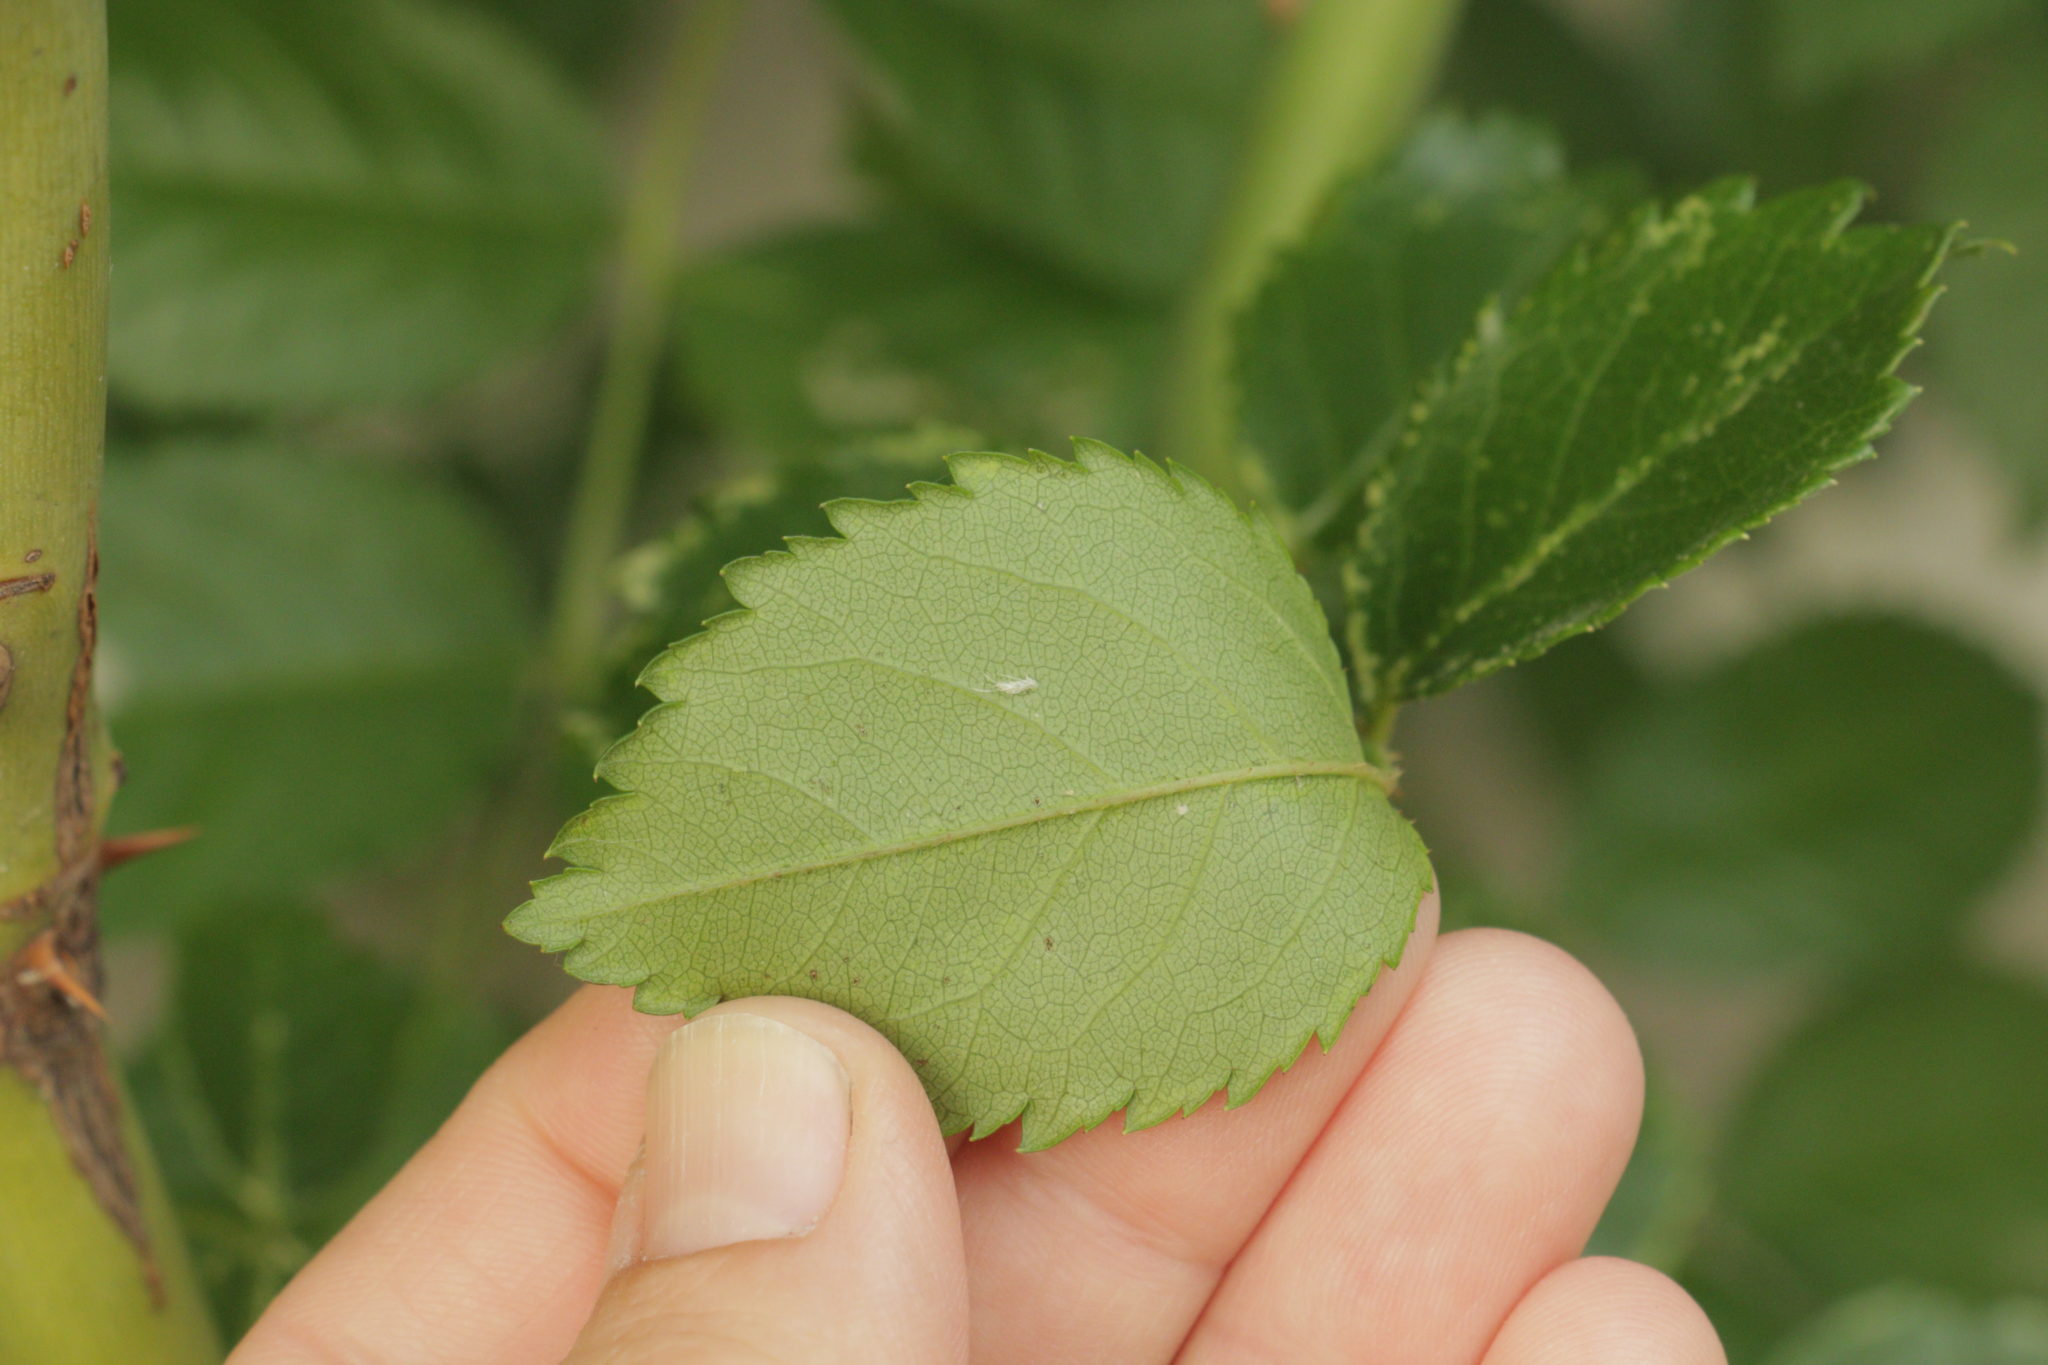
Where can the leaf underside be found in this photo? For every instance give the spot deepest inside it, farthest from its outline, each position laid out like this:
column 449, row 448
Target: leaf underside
column 1049, row 774
column 1648, row 401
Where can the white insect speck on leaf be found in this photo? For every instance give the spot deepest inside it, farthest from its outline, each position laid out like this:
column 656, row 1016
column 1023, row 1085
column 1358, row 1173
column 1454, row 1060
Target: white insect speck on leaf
column 1181, row 809
column 1011, row 687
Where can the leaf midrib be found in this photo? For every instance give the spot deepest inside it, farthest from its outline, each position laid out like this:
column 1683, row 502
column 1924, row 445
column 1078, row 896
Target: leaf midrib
column 1364, row 772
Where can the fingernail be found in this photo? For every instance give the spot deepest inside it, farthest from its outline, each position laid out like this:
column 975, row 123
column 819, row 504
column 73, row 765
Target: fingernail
column 622, row 1248
column 747, row 1121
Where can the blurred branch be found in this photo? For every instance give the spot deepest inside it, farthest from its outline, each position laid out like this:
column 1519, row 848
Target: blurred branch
column 643, row 287
column 1338, row 96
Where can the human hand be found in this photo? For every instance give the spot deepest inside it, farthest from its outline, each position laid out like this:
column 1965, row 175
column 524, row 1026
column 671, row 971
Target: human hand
column 1418, row 1195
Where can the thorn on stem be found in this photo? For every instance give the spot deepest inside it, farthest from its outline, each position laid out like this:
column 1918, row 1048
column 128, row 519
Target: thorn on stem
column 40, row 963
column 127, row 848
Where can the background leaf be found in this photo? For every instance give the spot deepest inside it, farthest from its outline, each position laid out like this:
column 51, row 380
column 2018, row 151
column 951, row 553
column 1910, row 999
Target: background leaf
column 1049, row 775
column 1907, row 1326
column 1094, row 134
column 1994, row 328
column 1901, row 1137
column 312, row 661
column 1819, row 47
column 1647, row 402
column 834, row 338
column 1386, row 286
column 338, row 203
column 1837, row 798
column 280, row 1091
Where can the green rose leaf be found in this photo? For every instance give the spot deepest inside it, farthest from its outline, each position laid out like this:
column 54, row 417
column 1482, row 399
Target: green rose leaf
column 1049, row 774
column 828, row 339
column 325, row 204
column 1098, row 135
column 1756, row 818
column 1384, row 289
column 1899, row 1136
column 313, row 660
column 1649, row 400
column 669, row 587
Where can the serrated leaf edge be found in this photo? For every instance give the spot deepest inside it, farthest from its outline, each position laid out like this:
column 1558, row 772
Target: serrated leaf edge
column 849, row 514
column 1734, row 192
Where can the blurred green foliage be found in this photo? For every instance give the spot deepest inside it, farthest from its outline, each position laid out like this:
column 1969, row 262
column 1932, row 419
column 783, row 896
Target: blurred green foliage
column 1914, row 1327
column 360, row 247
column 292, row 1077
column 371, row 199
column 1899, row 1136
column 282, row 635
column 1836, row 798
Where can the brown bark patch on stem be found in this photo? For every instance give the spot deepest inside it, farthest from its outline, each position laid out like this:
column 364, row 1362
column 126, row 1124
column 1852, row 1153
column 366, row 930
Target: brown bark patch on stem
column 44, row 1034
column 26, row 584
column 56, row 1046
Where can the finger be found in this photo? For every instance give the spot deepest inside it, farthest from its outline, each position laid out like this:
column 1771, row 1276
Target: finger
column 1472, row 1158
column 489, row 1245
column 1107, row 1246
column 797, row 1204
column 1606, row 1312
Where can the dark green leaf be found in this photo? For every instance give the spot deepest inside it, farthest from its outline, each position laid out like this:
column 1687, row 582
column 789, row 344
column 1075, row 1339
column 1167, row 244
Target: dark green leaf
column 1097, row 134
column 1049, row 774
column 282, row 1089
column 1820, row 47
column 1993, row 329
column 837, row 337
column 589, row 39
column 337, row 203
column 1837, row 798
column 311, row 660
column 1529, row 56
column 1901, row 1137
column 1385, row 288
column 1912, row 1326
column 1647, row 402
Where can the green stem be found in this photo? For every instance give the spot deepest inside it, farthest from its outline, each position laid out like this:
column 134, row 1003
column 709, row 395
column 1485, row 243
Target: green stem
column 649, row 252
column 1376, row 729
column 1339, row 94
column 92, row 1271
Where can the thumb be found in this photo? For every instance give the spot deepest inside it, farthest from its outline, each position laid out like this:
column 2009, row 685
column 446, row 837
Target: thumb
column 794, row 1203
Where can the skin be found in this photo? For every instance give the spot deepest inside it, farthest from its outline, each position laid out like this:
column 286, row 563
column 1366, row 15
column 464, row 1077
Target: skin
column 1418, row 1195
